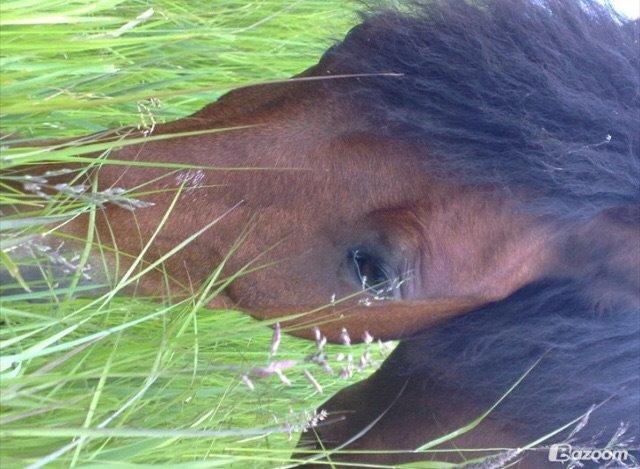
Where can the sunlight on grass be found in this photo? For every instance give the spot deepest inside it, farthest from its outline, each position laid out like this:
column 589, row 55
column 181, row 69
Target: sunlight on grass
column 101, row 64
column 155, row 383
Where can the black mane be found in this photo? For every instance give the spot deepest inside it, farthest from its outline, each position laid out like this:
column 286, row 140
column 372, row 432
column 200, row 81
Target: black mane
column 586, row 358
column 540, row 95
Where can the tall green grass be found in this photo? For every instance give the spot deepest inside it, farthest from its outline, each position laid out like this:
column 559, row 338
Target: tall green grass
column 126, row 380
column 79, row 66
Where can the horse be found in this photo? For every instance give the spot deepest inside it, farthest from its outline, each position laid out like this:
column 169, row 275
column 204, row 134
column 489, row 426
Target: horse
column 459, row 176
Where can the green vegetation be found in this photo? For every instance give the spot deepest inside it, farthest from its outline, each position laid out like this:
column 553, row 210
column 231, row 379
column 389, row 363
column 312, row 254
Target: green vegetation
column 124, row 380
column 78, row 66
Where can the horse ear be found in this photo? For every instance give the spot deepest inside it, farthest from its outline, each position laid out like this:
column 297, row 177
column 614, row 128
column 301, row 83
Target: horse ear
column 385, row 321
column 607, row 243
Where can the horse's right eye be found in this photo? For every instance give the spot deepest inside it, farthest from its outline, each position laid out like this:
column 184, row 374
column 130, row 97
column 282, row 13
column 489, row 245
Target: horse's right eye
column 370, row 272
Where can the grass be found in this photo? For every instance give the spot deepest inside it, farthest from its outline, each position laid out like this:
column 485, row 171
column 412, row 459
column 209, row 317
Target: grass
column 170, row 374
column 129, row 380
column 73, row 67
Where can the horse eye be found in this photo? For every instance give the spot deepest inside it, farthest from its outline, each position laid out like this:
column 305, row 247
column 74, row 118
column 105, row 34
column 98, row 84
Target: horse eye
column 370, row 272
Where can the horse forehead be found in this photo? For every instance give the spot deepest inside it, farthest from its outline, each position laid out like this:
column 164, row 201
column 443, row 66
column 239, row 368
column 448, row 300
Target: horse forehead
column 335, row 180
